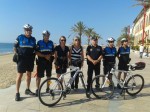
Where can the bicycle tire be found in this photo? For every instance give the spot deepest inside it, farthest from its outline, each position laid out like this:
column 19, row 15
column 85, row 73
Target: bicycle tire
column 54, row 94
column 131, row 90
column 102, row 92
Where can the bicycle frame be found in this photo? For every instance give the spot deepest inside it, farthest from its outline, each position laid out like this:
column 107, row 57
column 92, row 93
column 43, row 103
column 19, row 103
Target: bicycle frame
column 121, row 83
column 77, row 71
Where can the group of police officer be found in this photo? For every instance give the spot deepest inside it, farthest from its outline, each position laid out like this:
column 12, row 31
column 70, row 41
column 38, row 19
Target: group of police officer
column 26, row 49
column 95, row 54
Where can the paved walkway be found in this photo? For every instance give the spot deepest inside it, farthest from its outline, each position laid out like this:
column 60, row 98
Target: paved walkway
column 77, row 101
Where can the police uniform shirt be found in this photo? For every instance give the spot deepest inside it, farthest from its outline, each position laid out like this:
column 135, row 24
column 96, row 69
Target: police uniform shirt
column 124, row 53
column 94, row 52
column 25, row 46
column 45, row 47
column 109, row 54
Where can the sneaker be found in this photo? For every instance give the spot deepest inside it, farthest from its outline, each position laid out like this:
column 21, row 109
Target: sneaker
column 88, row 94
column 76, row 86
column 97, row 86
column 17, row 98
column 118, row 86
column 36, row 92
column 47, row 90
column 29, row 92
column 72, row 86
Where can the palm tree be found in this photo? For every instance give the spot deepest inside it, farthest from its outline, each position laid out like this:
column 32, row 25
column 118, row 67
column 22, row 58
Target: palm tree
column 97, row 35
column 89, row 33
column 79, row 28
column 124, row 34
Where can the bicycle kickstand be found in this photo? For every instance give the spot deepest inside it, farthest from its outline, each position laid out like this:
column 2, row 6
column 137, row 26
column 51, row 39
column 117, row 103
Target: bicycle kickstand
column 64, row 95
column 123, row 93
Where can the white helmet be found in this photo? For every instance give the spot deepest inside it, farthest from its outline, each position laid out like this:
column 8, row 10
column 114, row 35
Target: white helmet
column 27, row 26
column 110, row 39
column 46, row 32
column 123, row 40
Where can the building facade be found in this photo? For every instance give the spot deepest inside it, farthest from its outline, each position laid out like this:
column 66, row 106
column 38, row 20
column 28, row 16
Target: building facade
column 137, row 29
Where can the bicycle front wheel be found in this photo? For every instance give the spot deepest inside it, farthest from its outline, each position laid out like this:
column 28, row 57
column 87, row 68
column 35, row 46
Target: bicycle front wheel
column 105, row 89
column 135, row 84
column 50, row 92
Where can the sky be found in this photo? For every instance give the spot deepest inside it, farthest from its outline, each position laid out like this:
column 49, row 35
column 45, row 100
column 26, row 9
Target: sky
column 107, row 17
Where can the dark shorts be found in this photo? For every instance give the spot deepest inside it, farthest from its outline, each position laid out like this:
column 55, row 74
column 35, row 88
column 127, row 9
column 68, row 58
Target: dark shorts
column 123, row 66
column 107, row 68
column 61, row 70
column 43, row 66
column 25, row 64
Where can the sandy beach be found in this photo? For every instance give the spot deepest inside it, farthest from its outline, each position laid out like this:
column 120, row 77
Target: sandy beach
column 8, row 71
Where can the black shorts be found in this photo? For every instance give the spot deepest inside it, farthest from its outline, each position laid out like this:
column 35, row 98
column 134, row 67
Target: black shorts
column 123, row 66
column 25, row 64
column 107, row 68
column 61, row 70
column 43, row 66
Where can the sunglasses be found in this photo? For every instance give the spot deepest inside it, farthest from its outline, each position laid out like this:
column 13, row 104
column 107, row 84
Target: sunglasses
column 28, row 30
column 77, row 40
column 95, row 39
column 111, row 41
column 63, row 40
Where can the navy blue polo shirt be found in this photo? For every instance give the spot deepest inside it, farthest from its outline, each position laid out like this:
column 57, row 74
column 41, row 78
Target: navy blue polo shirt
column 94, row 52
column 123, row 54
column 45, row 47
column 109, row 54
column 25, row 46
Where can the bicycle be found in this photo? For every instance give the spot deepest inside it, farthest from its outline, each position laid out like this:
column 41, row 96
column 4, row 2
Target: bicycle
column 56, row 88
column 132, row 84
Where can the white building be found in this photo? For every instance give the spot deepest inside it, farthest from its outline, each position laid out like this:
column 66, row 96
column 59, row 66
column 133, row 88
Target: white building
column 137, row 30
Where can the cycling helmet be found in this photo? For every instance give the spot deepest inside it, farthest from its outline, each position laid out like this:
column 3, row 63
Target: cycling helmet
column 46, row 32
column 123, row 40
column 139, row 66
column 27, row 26
column 110, row 39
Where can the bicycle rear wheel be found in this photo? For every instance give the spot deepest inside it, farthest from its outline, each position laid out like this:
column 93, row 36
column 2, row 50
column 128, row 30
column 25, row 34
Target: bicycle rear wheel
column 104, row 90
column 134, row 84
column 52, row 95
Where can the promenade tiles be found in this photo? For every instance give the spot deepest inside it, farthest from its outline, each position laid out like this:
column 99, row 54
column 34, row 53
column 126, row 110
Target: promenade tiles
column 77, row 101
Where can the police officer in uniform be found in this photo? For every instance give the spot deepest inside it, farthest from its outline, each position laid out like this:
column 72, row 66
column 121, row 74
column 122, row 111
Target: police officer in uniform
column 94, row 56
column 45, row 51
column 109, row 55
column 24, row 47
column 124, row 58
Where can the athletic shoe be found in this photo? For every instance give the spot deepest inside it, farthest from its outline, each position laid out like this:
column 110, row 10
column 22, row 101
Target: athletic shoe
column 29, row 92
column 17, row 98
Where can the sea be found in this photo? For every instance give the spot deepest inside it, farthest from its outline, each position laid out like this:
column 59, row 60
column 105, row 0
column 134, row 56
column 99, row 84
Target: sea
column 6, row 48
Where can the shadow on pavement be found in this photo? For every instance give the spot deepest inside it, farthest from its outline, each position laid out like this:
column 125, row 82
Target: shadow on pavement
column 75, row 102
